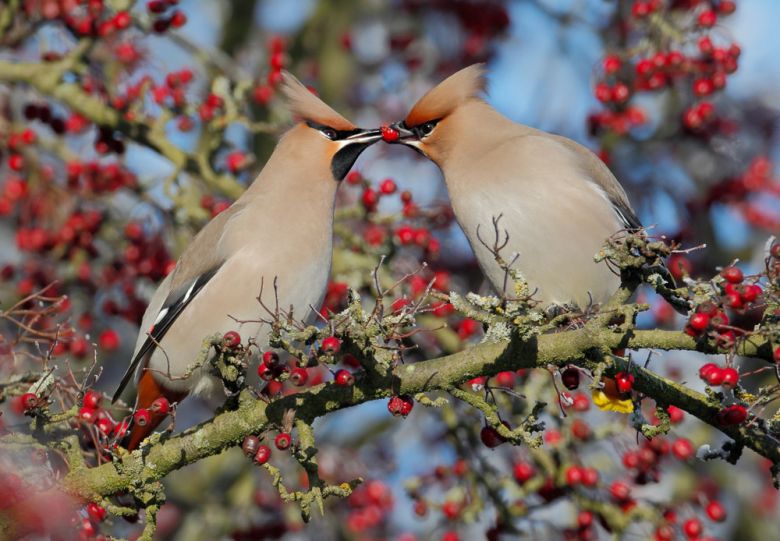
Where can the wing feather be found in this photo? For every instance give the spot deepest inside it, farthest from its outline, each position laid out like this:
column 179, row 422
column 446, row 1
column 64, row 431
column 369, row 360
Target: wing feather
column 173, row 306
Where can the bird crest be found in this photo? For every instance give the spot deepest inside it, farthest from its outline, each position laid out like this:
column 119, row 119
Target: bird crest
column 442, row 99
column 304, row 104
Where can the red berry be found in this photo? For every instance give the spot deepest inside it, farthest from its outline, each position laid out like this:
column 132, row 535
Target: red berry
column 283, row 441
column 451, row 509
column 105, row 425
column 776, row 354
column 16, row 162
column 299, row 376
column 142, row 417
column 161, row 406
column 88, row 415
column 178, row 19
column 603, row 92
column 522, row 472
column 28, row 401
column 353, row 177
column 590, row 477
column 109, row 340
column 231, row 340
column 573, row 475
column 271, row 359
column 727, row 7
column 676, row 415
column 730, row 377
column 585, row 519
column 620, row 491
column 388, row 186
column 490, row 437
column 96, row 512
column 692, row 528
column 707, row 18
column 706, row 369
column 236, row 161
column 369, row 198
column 716, row 511
column 733, row 275
column 699, row 322
column 751, row 293
column 611, row 63
column 620, row 93
column 624, row 382
column 703, row 86
column 714, row 376
column 732, row 415
column 331, row 345
column 664, row 533
column 122, row 20
column 92, row 399
column 389, row 134
column 570, row 377
column 265, row 372
column 262, row 455
column 682, row 448
column 580, row 429
column 250, row 445
column 262, row 94
column 344, row 377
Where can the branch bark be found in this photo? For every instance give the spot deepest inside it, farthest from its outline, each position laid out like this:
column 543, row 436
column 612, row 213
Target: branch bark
column 577, row 346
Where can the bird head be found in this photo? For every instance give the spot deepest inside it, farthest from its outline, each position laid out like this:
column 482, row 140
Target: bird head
column 428, row 126
column 323, row 131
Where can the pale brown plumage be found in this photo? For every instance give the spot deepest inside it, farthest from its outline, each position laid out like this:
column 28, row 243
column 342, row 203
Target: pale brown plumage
column 557, row 200
column 279, row 230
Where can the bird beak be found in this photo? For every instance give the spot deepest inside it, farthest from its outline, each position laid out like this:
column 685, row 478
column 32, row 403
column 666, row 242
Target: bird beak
column 366, row 137
column 405, row 135
column 350, row 148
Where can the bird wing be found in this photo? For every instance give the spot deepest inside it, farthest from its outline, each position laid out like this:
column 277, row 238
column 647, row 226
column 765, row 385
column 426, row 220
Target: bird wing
column 600, row 174
column 196, row 267
column 171, row 309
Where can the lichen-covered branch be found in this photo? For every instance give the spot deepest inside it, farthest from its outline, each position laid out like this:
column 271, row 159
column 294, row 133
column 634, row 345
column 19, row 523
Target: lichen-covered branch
column 229, row 428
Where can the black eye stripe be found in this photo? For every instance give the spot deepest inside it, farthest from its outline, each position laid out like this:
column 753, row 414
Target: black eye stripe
column 340, row 134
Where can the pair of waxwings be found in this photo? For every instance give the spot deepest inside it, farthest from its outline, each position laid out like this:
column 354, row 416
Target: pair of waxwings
column 557, row 201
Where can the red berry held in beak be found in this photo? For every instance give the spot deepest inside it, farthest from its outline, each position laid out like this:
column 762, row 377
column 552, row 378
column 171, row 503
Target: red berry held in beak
column 389, row 134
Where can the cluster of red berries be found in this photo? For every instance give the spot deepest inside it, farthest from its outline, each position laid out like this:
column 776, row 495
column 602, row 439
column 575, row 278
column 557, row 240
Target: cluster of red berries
column 440, row 479
column 369, row 505
column 166, row 17
column 213, row 205
column 261, row 453
column 263, row 92
column 480, row 23
column 692, row 528
column 172, row 92
column 710, row 318
column 84, row 18
column 16, row 143
column 92, row 413
column 705, row 71
column 714, row 375
column 748, row 194
column 99, row 178
column 400, row 405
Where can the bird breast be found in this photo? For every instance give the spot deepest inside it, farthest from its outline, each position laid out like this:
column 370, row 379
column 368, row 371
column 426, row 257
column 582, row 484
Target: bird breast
column 556, row 220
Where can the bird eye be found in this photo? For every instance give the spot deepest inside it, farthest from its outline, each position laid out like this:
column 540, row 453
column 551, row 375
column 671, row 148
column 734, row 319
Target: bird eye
column 330, row 133
column 427, row 128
